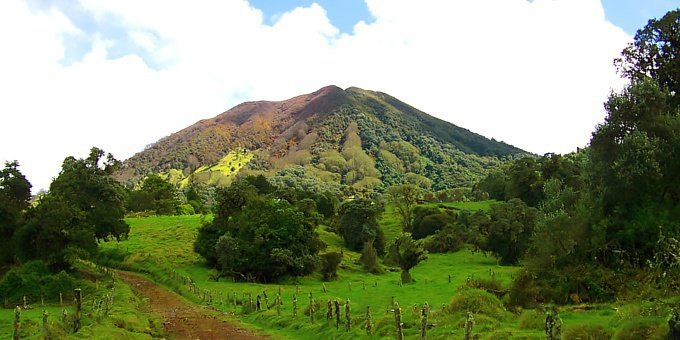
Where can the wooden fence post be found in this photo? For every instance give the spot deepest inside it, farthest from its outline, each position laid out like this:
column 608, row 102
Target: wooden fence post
column 369, row 321
column 311, row 308
column 348, row 316
column 79, row 306
column 423, row 321
column 399, row 324
column 469, row 323
column 17, row 322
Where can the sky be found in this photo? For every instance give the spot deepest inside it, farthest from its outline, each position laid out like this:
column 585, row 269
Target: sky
column 122, row 74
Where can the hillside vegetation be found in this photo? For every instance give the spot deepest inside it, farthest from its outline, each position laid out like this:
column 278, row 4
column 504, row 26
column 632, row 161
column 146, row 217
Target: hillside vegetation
column 357, row 138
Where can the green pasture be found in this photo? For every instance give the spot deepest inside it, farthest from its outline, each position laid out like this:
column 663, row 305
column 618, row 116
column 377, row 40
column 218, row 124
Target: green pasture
column 161, row 247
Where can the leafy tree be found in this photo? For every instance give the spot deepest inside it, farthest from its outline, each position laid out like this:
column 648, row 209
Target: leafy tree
column 369, row 258
column 445, row 240
column 267, row 240
column 654, row 54
column 431, row 224
column 15, row 193
column 634, row 166
column 84, row 205
column 358, row 222
column 509, row 232
column 329, row 265
column 230, row 201
column 406, row 253
column 163, row 195
column 404, row 198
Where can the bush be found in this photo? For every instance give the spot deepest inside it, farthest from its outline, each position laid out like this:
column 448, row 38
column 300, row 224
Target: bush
column 447, row 240
column 534, row 320
column 34, row 281
column 642, row 329
column 477, row 301
column 431, row 224
column 329, row 265
column 491, row 285
column 524, row 291
column 186, row 209
column 587, row 332
column 369, row 258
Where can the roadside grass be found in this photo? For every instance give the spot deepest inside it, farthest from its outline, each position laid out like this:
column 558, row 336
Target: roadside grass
column 126, row 319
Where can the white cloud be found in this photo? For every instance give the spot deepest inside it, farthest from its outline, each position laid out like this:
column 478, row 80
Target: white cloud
column 533, row 74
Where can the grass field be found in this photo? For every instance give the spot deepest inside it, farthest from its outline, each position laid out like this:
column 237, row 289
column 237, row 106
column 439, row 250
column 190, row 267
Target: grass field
column 160, row 245
column 126, row 318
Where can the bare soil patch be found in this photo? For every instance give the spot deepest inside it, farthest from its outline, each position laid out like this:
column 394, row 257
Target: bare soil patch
column 182, row 319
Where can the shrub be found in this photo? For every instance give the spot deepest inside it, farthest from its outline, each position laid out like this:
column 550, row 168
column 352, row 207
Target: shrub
column 642, row 329
column 447, row 240
column 477, row 301
column 369, row 258
column 491, row 285
column 34, row 281
column 534, row 320
column 588, row 332
column 329, row 265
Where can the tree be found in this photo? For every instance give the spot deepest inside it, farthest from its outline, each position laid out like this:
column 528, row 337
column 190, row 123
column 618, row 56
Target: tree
column 358, row 222
column 510, row 230
column 329, row 265
column 654, row 54
column 267, row 240
column 229, row 202
column 84, row 205
column 161, row 194
column 369, row 258
column 404, row 198
column 406, row 253
column 15, row 193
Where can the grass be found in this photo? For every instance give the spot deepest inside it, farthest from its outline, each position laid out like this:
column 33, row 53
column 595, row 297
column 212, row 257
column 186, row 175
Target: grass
column 127, row 318
column 224, row 171
column 162, row 246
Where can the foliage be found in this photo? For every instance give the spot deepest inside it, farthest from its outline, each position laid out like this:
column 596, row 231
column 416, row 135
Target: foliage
column 258, row 238
column 15, row 193
column 406, row 253
column 358, row 224
column 35, row 281
column 587, row 332
column 509, row 232
column 654, row 54
column 155, row 194
column 477, row 301
column 329, row 265
column 84, row 205
column 432, row 223
column 404, row 198
column 446, row 240
column 369, row 258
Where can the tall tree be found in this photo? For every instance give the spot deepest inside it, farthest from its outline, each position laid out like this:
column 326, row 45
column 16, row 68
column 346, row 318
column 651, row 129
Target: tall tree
column 655, row 53
column 406, row 253
column 84, row 205
column 405, row 199
column 15, row 193
column 358, row 222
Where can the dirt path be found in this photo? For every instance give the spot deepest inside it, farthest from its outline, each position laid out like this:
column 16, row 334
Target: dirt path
column 182, row 319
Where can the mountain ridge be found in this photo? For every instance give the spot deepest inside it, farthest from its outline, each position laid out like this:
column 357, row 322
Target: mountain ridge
column 309, row 125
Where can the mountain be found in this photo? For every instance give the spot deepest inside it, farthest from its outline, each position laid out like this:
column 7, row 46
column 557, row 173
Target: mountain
column 356, row 137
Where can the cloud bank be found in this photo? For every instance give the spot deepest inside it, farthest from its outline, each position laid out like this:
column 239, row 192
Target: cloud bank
column 533, row 74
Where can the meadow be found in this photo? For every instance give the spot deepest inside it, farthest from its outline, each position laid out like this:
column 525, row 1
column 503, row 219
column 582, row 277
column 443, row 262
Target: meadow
column 161, row 248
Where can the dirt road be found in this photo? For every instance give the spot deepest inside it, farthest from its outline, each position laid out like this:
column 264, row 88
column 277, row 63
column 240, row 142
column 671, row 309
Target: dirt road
column 182, row 319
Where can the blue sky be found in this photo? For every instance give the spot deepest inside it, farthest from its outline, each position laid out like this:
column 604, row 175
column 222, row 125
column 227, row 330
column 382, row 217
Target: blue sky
column 122, row 74
column 344, row 14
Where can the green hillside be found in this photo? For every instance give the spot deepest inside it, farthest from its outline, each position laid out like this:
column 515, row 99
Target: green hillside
column 361, row 139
